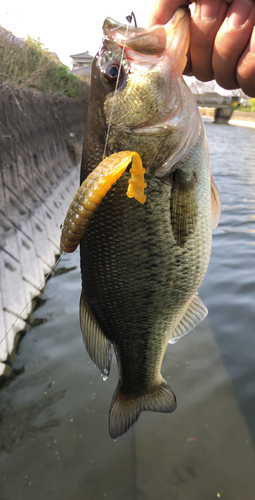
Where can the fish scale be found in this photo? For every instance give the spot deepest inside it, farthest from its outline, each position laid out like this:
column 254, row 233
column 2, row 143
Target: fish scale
column 123, row 235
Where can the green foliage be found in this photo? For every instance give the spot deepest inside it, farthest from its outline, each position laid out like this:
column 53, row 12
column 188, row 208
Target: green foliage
column 249, row 108
column 234, row 105
column 30, row 64
column 252, row 104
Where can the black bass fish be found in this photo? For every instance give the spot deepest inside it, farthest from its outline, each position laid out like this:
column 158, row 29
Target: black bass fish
column 142, row 264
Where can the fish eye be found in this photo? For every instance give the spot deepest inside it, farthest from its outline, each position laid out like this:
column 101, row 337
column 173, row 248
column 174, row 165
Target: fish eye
column 110, row 72
column 113, row 72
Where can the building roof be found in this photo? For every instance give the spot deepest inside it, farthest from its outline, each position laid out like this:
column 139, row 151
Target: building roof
column 83, row 55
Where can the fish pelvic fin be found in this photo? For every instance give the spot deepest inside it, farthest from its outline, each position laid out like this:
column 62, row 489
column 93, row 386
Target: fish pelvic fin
column 125, row 410
column 96, row 343
column 193, row 315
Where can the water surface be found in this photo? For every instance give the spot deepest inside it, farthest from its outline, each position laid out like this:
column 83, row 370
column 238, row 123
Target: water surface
column 54, row 441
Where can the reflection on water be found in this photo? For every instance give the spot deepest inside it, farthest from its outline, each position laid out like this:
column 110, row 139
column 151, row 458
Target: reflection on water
column 54, row 440
column 63, row 270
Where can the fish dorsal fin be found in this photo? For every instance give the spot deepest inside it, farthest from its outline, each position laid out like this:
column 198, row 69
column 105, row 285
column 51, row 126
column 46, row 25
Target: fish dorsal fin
column 216, row 204
column 96, row 343
column 125, row 410
column 195, row 312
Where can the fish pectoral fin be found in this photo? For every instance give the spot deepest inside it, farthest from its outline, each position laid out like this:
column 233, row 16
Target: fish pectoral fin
column 96, row 343
column 194, row 314
column 183, row 208
column 125, row 410
column 216, row 204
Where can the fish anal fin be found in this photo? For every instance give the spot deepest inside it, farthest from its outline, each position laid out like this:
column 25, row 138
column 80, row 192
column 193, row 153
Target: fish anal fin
column 183, row 208
column 125, row 410
column 96, row 343
column 216, row 204
column 193, row 315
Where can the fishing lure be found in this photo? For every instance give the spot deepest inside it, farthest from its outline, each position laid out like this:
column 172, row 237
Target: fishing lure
column 93, row 190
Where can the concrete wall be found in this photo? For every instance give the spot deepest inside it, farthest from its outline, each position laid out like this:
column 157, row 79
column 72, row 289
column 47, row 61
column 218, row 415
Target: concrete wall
column 40, row 148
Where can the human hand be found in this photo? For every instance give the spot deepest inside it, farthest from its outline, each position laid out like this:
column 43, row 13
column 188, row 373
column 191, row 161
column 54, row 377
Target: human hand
column 222, row 40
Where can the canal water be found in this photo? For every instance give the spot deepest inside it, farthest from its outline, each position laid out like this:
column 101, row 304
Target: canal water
column 54, row 441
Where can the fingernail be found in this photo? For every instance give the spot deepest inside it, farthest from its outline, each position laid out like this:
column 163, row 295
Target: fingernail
column 239, row 12
column 209, row 9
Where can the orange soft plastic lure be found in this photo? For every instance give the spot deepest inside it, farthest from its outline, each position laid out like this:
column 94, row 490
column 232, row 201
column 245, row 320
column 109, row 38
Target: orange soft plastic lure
column 93, row 190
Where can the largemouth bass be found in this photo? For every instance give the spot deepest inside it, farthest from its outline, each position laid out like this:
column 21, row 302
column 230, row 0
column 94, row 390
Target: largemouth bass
column 142, row 264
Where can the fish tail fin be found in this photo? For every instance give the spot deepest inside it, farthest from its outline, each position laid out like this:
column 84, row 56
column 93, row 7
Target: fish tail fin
column 125, row 410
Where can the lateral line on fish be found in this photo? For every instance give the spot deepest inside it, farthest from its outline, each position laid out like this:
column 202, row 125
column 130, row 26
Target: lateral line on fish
column 37, row 290
column 115, row 93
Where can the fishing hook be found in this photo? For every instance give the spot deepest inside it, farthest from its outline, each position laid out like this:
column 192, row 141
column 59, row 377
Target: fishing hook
column 132, row 16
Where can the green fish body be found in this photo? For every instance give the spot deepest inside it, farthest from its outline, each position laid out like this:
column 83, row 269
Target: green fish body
column 142, row 264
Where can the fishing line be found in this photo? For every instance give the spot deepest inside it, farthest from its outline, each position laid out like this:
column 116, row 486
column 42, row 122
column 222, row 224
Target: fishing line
column 36, row 292
column 115, row 93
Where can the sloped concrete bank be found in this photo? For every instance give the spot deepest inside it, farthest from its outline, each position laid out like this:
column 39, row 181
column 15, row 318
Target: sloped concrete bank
column 40, row 149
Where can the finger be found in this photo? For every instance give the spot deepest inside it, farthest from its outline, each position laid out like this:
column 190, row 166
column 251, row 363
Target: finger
column 205, row 23
column 246, row 68
column 163, row 10
column 231, row 41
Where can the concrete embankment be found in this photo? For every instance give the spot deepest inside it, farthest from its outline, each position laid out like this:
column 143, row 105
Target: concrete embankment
column 40, row 149
column 243, row 118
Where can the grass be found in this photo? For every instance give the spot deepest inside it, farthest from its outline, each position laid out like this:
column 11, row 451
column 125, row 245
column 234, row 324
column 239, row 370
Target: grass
column 29, row 64
column 248, row 109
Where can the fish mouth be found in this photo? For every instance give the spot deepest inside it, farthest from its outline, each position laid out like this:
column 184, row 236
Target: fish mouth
column 167, row 47
column 148, row 41
column 146, row 47
column 154, row 41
